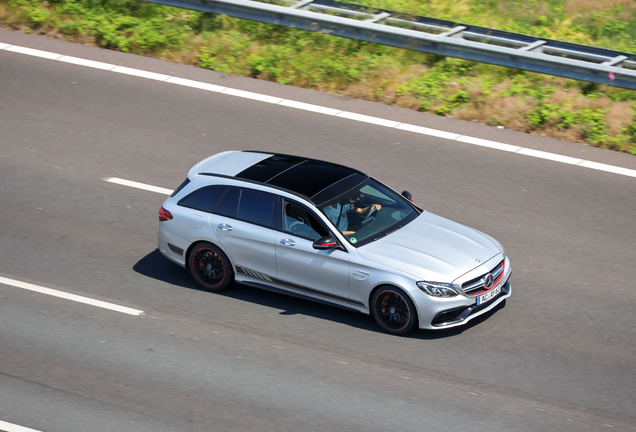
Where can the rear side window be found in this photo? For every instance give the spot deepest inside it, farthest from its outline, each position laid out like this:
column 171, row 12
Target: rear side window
column 181, row 186
column 228, row 205
column 257, row 207
column 204, row 199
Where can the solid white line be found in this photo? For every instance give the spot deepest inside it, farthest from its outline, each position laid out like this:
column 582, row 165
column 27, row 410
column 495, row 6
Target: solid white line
column 195, row 84
column 322, row 110
column 138, row 185
column 10, row 427
column 309, row 107
column 252, row 95
column 428, row 131
column 488, row 143
column 34, row 52
column 368, row 119
column 550, row 156
column 608, row 168
column 141, row 73
column 88, row 63
column 72, row 297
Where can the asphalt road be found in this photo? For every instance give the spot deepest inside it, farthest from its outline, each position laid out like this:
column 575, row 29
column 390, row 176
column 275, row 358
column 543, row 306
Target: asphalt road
column 558, row 355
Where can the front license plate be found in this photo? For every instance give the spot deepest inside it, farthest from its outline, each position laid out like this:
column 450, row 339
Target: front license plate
column 489, row 295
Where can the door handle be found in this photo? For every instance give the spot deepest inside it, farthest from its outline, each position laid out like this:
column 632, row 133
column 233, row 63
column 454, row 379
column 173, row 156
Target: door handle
column 288, row 242
column 225, row 227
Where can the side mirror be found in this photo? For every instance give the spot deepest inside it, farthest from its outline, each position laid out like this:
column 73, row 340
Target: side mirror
column 408, row 195
column 325, row 243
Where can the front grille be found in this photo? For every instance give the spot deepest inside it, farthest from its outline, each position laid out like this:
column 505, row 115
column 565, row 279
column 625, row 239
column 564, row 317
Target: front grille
column 476, row 286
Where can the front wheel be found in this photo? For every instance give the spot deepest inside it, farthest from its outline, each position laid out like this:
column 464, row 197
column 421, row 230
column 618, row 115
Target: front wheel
column 393, row 310
column 210, row 268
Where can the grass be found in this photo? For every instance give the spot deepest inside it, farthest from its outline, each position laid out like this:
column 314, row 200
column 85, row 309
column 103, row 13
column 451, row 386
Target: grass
column 593, row 114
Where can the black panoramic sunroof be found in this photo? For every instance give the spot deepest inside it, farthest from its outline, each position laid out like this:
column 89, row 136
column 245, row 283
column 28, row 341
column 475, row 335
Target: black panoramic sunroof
column 300, row 175
column 269, row 168
column 310, row 177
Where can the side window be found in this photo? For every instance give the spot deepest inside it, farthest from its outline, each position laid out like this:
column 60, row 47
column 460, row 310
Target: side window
column 257, row 207
column 299, row 221
column 228, row 205
column 204, row 199
column 181, row 186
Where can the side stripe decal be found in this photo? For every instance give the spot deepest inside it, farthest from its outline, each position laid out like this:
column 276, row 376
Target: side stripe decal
column 285, row 286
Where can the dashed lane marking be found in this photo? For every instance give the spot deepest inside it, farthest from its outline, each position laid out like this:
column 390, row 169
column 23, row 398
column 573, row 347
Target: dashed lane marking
column 69, row 296
column 318, row 109
column 10, row 427
column 138, row 185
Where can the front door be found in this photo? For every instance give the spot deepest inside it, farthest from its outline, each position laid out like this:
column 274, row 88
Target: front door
column 303, row 268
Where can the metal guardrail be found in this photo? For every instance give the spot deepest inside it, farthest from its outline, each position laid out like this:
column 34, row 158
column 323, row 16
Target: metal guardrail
column 433, row 36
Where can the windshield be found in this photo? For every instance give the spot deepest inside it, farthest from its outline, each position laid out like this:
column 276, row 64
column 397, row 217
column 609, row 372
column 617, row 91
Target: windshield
column 368, row 212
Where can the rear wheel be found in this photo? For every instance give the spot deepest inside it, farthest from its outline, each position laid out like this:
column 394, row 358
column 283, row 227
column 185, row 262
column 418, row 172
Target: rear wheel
column 393, row 310
column 210, row 268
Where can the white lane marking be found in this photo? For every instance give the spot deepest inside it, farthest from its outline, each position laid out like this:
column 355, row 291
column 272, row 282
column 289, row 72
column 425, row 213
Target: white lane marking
column 488, row 143
column 608, row 168
column 88, row 63
column 428, row 131
column 368, row 119
column 195, row 84
column 138, row 185
column 10, row 427
column 34, row 52
column 309, row 107
column 550, row 156
column 252, row 95
column 327, row 111
column 141, row 73
column 72, row 297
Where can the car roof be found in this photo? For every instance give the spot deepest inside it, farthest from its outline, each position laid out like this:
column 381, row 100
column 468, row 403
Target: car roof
column 314, row 179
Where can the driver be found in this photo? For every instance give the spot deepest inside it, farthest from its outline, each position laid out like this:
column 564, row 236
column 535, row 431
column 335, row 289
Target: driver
column 337, row 213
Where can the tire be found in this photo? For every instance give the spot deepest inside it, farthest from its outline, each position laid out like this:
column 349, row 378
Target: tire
column 393, row 310
column 210, row 268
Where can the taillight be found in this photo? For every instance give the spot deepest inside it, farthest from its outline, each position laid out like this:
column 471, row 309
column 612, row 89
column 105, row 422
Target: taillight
column 164, row 215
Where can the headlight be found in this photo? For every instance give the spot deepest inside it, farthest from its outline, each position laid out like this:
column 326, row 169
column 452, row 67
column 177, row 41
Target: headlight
column 435, row 289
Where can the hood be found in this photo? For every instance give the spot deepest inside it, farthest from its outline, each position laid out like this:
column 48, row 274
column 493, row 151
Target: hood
column 432, row 248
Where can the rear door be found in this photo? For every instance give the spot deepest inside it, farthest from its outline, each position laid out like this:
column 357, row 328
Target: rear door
column 244, row 223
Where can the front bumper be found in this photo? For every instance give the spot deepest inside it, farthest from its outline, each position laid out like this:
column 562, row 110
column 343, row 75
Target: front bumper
column 435, row 313
column 461, row 315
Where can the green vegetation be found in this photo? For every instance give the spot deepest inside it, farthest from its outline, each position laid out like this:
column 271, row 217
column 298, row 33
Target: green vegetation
column 576, row 111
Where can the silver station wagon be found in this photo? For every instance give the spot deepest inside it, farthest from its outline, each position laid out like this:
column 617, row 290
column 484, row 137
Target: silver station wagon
column 332, row 234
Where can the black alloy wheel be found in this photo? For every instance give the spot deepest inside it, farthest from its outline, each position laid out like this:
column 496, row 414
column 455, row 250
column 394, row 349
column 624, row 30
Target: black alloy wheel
column 393, row 310
column 210, row 268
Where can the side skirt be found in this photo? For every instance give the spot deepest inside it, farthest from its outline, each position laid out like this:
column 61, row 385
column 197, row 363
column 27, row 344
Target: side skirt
column 265, row 282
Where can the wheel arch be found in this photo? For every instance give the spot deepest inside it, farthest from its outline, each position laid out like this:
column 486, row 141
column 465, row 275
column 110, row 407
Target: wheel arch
column 393, row 285
column 196, row 242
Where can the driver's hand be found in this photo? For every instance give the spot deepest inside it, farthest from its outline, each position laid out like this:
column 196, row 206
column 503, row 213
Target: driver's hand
column 375, row 206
